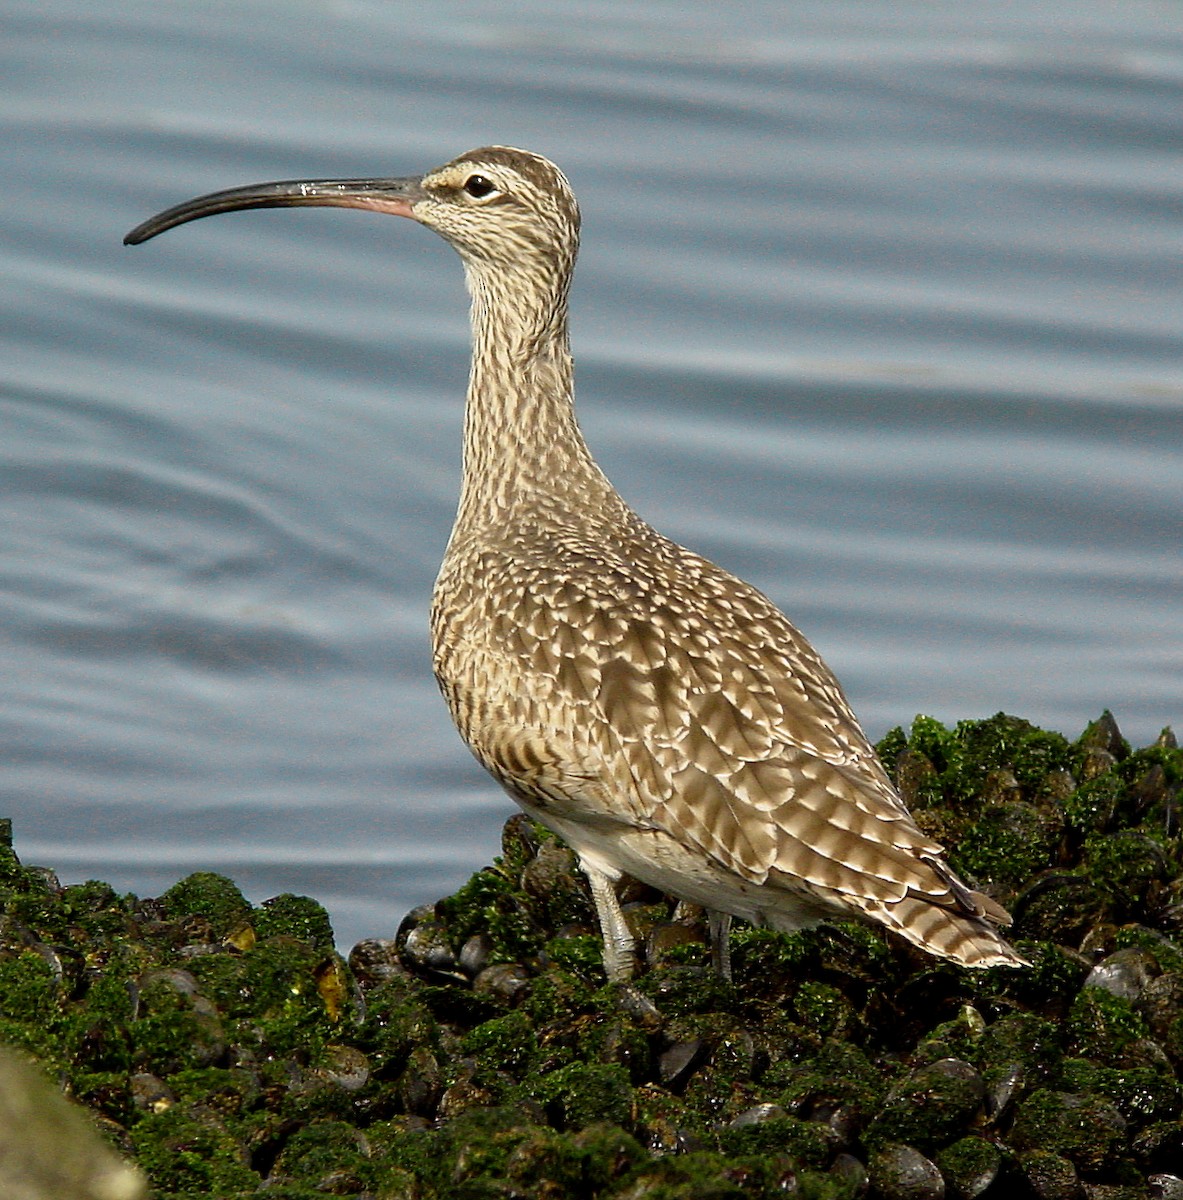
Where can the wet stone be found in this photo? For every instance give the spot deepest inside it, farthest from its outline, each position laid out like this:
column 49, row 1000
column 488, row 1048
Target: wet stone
column 508, row 982
column 1102, row 1026
column 462, row 1096
column 258, row 1055
column 1159, row 1146
column 1099, row 942
column 1001, row 787
column 970, row 1167
column 346, row 1067
column 1095, row 762
column 179, row 981
column 1003, row 1091
column 45, row 877
column 198, row 950
column 552, row 868
column 1058, row 907
column 677, row 1064
column 846, row 1124
column 1087, row 1130
column 1051, row 1177
column 852, row 1174
column 757, row 1114
column 664, row 1137
column 670, row 936
column 376, row 959
column 1161, row 1003
column 519, row 840
column 425, row 945
column 1057, row 786
column 1126, row 973
column 419, row 915
column 639, row 1007
column 643, row 918
column 207, row 905
column 1152, row 790
column 1103, row 734
column 474, row 954
column 932, row 1104
column 150, row 1093
column 421, row 1084
column 1127, row 864
column 625, row 1043
column 57, row 960
column 903, row 1173
column 1011, row 841
column 914, row 773
column 300, row 917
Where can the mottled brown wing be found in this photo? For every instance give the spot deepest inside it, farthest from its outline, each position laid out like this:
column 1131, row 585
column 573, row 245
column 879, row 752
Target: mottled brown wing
column 686, row 702
column 735, row 753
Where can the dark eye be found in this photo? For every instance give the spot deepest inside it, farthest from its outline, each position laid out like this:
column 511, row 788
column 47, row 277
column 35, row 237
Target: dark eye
column 478, row 186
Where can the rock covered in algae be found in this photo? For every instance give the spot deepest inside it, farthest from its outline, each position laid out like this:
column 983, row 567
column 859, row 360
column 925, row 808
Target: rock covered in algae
column 232, row 1052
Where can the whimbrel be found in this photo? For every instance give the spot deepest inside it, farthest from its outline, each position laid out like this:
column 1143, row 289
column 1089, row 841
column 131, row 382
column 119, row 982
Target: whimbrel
column 660, row 715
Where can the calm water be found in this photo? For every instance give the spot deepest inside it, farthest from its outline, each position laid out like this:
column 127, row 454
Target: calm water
column 879, row 306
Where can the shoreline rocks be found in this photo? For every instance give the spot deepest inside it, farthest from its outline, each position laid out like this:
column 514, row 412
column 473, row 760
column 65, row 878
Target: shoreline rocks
column 230, row 1050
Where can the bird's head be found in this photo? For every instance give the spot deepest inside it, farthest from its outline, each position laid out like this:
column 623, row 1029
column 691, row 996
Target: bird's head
column 501, row 208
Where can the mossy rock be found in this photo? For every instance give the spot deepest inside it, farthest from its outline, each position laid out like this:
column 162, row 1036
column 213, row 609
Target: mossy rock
column 1086, row 1130
column 212, row 897
column 326, row 1156
column 584, row 1093
column 930, row 1106
column 971, row 1166
column 191, row 1152
column 298, row 917
column 1141, row 1094
column 483, row 1054
column 1008, row 844
column 1103, row 1026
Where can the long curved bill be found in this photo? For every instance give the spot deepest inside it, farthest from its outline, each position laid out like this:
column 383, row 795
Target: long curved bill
column 396, row 196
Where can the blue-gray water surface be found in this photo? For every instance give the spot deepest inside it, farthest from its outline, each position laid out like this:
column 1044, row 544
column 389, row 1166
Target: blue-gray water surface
column 879, row 306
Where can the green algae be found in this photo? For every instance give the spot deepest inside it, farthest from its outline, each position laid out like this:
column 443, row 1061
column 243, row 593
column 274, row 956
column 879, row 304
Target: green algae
column 505, row 1043
column 805, row 1142
column 1093, row 805
column 971, row 1165
column 826, row 1010
column 298, row 917
column 1103, row 1026
column 173, row 1028
column 1088, row 1131
column 1009, row 843
column 1141, row 1094
column 930, row 1106
column 491, row 904
column 1034, row 1043
column 232, row 1052
column 30, row 990
column 212, row 897
column 580, row 1093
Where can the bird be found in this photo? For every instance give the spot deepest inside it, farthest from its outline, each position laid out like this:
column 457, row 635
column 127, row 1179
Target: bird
column 661, row 716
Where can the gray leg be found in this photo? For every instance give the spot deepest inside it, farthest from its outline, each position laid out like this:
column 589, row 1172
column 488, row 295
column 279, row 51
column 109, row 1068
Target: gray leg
column 619, row 943
column 720, row 926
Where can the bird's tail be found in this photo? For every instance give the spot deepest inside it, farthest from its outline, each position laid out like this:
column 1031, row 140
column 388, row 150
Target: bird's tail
column 969, row 938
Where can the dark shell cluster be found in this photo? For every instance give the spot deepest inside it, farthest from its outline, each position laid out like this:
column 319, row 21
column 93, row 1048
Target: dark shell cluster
column 230, row 1051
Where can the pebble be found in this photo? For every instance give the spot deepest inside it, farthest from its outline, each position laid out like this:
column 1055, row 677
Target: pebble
column 1125, row 973
column 903, row 1173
